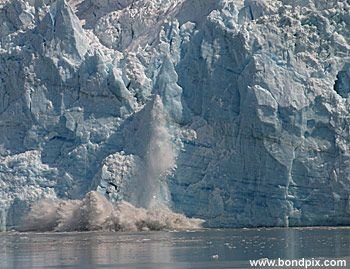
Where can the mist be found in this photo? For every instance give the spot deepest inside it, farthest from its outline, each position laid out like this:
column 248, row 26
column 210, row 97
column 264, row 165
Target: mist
column 96, row 213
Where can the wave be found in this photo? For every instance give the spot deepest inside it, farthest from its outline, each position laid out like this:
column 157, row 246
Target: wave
column 96, row 213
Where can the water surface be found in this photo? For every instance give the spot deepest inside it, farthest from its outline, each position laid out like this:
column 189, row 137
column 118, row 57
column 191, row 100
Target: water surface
column 170, row 250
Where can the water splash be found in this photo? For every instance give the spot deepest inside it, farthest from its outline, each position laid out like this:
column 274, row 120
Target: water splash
column 96, row 213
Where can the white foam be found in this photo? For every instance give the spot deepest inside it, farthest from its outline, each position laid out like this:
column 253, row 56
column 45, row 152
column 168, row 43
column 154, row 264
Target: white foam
column 96, row 213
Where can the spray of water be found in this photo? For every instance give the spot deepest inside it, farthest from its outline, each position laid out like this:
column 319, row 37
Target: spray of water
column 96, row 213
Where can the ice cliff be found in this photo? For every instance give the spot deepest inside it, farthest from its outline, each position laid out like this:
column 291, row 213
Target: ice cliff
column 233, row 111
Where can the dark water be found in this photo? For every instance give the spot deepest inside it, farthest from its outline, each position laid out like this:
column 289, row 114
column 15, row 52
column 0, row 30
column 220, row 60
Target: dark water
column 170, row 250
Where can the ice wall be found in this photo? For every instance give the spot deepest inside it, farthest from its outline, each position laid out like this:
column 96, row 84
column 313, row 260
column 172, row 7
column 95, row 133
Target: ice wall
column 231, row 111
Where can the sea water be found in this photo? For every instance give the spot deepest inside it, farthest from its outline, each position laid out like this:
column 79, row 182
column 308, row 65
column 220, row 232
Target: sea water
column 170, row 250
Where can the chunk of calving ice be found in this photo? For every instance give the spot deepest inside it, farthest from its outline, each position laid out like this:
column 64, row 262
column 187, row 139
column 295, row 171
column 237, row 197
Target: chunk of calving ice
column 215, row 257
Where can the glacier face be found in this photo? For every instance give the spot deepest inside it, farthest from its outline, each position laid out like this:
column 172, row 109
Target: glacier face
column 232, row 111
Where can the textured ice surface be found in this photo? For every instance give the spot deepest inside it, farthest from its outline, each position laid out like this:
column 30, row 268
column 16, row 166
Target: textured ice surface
column 231, row 111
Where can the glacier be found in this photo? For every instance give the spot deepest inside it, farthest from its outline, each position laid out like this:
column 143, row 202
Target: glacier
column 235, row 112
